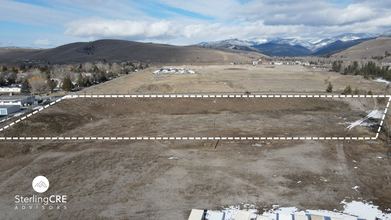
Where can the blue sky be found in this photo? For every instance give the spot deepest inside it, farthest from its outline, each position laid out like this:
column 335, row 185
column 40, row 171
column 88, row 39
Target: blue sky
column 50, row 23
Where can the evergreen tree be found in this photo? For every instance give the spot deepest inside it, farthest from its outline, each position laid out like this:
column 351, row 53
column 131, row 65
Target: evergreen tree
column 80, row 81
column 13, row 70
column 12, row 78
column 4, row 68
column 52, row 84
column 356, row 91
column 86, row 81
column 348, row 90
column 370, row 92
column 67, row 84
column 26, row 88
column 329, row 88
column 337, row 66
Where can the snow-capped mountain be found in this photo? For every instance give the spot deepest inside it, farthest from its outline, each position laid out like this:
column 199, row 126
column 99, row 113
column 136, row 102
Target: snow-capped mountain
column 257, row 41
column 231, row 41
column 343, row 37
column 311, row 45
column 386, row 34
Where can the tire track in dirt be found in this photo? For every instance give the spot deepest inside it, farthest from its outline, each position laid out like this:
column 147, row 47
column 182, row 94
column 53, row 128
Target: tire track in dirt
column 350, row 179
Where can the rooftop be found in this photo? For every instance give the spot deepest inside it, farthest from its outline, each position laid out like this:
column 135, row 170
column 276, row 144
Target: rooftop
column 14, row 97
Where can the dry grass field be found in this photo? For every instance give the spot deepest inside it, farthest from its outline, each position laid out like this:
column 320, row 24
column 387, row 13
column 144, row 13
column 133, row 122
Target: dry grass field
column 366, row 50
column 165, row 179
column 239, row 78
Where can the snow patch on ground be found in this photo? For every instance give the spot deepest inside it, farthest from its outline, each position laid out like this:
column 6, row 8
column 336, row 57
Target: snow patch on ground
column 19, row 114
column 38, row 107
column 173, row 158
column 355, row 188
column 352, row 211
column 231, row 211
column 381, row 80
column 375, row 114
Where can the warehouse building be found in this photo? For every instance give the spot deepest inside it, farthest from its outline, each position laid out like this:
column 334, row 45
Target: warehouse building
column 8, row 109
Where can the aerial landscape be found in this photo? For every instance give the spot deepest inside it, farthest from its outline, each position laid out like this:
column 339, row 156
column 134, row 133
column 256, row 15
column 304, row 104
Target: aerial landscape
column 198, row 110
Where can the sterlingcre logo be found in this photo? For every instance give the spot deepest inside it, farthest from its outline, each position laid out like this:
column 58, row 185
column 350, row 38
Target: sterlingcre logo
column 40, row 184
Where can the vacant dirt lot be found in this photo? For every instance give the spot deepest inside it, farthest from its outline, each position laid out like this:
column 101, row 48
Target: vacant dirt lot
column 166, row 179
column 239, row 78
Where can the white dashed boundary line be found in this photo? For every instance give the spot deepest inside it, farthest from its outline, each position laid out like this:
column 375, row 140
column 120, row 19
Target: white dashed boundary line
column 200, row 138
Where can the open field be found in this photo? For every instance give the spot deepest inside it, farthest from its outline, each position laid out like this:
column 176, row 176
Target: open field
column 239, row 78
column 166, row 179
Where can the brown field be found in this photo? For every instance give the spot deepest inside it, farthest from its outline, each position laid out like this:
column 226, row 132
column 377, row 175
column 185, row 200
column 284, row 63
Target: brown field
column 239, row 78
column 165, row 179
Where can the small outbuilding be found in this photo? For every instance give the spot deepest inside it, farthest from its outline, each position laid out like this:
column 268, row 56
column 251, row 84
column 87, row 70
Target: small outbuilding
column 284, row 216
column 197, row 214
column 301, row 217
column 317, row 217
column 8, row 109
column 216, row 216
column 243, row 215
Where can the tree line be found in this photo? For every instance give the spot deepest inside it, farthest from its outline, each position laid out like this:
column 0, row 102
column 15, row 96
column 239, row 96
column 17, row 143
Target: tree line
column 368, row 70
column 41, row 79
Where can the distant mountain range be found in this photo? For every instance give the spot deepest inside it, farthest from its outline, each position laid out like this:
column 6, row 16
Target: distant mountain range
column 295, row 47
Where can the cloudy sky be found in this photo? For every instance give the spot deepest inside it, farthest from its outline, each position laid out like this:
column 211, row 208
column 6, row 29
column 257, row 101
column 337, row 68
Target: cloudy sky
column 49, row 23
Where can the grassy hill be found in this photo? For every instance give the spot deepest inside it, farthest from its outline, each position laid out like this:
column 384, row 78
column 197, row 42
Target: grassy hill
column 121, row 50
column 367, row 49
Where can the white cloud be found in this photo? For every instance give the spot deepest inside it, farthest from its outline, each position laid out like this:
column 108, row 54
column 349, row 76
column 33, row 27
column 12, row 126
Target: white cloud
column 156, row 20
column 103, row 28
column 45, row 42
column 97, row 28
column 31, row 14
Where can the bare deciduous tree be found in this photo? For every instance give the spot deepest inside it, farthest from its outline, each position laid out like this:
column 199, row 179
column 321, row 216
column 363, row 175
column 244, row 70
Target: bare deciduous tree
column 34, row 73
column 39, row 86
column 100, row 66
column 115, row 68
column 88, row 66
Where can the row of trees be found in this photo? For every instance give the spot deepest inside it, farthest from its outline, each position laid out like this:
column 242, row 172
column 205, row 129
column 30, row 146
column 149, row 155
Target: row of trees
column 369, row 70
column 39, row 85
column 347, row 91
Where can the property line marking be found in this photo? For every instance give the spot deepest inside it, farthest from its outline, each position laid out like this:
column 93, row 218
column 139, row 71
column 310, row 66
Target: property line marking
column 198, row 138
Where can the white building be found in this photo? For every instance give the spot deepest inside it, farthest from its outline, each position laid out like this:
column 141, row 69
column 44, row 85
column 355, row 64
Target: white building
column 16, row 100
column 9, row 89
column 173, row 71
